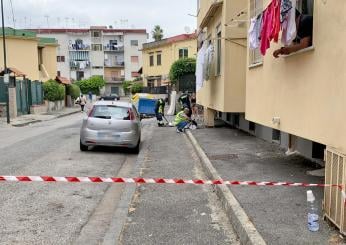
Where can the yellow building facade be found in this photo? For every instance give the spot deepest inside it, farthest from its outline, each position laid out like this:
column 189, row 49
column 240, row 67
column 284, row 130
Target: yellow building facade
column 159, row 56
column 304, row 92
column 224, row 91
column 35, row 57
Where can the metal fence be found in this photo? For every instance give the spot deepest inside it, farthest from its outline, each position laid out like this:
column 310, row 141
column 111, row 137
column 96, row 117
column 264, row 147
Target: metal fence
column 36, row 93
column 2, row 90
column 155, row 90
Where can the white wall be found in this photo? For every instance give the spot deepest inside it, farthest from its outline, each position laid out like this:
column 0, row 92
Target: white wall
column 133, row 51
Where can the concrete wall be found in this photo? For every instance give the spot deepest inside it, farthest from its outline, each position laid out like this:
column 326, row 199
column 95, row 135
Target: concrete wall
column 133, row 51
column 305, row 90
column 49, row 54
column 23, row 55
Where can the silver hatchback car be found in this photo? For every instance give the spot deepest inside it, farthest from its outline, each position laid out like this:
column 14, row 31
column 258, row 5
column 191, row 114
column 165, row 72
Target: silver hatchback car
column 111, row 123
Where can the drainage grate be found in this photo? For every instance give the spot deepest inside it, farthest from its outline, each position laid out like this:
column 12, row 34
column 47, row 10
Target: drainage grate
column 223, row 157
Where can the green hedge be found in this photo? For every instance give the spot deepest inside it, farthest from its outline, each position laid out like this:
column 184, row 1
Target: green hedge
column 136, row 88
column 93, row 84
column 53, row 91
column 73, row 90
column 182, row 67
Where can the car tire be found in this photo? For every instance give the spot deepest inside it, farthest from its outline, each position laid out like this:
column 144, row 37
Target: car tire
column 137, row 148
column 83, row 147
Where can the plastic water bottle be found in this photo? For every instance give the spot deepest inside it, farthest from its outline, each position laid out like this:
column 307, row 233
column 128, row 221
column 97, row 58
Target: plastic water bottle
column 313, row 224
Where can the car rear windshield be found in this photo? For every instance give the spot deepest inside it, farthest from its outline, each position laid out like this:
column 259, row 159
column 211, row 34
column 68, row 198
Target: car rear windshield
column 110, row 112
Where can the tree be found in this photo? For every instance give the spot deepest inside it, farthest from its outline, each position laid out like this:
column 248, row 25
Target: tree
column 127, row 86
column 136, row 88
column 182, row 67
column 157, row 33
column 53, row 91
column 93, row 84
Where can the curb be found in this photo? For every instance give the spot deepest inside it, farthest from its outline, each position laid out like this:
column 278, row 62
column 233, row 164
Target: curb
column 242, row 224
column 18, row 125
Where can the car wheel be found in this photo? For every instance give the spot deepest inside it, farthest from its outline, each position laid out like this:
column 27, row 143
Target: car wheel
column 137, row 148
column 83, row 147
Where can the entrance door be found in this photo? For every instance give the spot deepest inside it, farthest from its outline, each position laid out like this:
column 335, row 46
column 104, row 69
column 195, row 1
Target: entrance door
column 115, row 90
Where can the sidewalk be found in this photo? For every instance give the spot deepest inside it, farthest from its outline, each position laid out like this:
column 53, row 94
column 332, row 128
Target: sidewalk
column 25, row 120
column 278, row 213
column 174, row 214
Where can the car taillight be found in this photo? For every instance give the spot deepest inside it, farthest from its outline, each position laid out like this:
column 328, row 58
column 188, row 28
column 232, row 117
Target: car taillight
column 91, row 111
column 132, row 115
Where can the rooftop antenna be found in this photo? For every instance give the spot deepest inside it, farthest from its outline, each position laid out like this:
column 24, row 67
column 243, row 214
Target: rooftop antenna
column 187, row 29
column 66, row 21
column 47, row 18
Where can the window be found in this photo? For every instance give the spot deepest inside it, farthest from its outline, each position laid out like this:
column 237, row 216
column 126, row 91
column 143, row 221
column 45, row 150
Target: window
column 135, row 74
column 96, row 34
column 158, row 59
column 58, row 73
column 80, row 75
column 151, row 83
column 134, row 42
column 256, row 7
column 114, row 90
column 134, row 59
column 96, row 47
column 183, row 53
column 151, row 59
column 276, row 135
column 60, row 58
column 252, row 126
column 218, row 51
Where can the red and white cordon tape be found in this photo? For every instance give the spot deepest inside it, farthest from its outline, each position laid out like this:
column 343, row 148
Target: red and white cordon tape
column 153, row 181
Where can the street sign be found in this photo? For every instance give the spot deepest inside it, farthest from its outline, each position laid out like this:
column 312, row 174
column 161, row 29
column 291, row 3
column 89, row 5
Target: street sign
column 6, row 79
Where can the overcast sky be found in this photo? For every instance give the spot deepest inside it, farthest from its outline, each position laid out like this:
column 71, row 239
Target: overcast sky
column 172, row 15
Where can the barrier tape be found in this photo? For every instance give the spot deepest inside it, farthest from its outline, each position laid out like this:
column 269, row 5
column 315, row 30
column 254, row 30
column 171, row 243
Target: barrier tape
column 154, row 181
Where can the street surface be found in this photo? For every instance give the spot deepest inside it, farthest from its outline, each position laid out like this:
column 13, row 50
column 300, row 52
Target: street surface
column 82, row 213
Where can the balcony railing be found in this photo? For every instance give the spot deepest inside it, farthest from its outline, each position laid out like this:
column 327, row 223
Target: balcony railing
column 115, row 49
column 115, row 79
column 114, row 64
column 79, row 47
column 79, row 65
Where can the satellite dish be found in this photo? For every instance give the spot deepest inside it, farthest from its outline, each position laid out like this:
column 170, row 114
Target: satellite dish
column 187, row 29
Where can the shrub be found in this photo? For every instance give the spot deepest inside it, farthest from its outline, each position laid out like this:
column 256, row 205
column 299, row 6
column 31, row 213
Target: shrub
column 93, row 84
column 136, row 88
column 73, row 90
column 182, row 67
column 127, row 86
column 53, row 91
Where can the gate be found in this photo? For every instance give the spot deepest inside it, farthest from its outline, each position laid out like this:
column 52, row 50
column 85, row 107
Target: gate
column 187, row 83
column 2, row 91
column 22, row 97
column 35, row 93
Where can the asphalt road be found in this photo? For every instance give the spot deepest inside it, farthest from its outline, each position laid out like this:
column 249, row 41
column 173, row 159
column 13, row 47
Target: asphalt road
column 82, row 213
column 56, row 213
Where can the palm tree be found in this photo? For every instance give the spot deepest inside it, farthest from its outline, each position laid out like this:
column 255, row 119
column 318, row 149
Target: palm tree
column 157, row 33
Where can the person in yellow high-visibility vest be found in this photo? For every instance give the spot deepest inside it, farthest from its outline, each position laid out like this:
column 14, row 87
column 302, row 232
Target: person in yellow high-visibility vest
column 182, row 119
column 160, row 111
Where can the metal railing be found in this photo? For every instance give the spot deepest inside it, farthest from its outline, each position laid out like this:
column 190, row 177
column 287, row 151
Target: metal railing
column 115, row 79
column 114, row 64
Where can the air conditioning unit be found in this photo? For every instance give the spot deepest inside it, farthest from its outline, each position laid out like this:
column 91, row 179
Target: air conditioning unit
column 334, row 200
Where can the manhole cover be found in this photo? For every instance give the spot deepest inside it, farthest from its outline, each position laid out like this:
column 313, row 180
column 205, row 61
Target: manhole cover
column 223, row 157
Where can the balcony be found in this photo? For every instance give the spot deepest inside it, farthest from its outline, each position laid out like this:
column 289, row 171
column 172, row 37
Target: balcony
column 113, row 49
column 114, row 64
column 115, row 79
column 79, row 47
column 79, row 65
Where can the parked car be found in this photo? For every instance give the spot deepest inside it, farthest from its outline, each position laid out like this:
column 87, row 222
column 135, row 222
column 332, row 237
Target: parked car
column 110, row 97
column 111, row 123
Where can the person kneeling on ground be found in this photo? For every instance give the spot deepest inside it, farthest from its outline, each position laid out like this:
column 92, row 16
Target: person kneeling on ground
column 182, row 119
column 159, row 111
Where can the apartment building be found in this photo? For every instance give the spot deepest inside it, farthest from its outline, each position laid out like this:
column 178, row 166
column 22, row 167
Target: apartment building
column 220, row 30
column 159, row 56
column 112, row 53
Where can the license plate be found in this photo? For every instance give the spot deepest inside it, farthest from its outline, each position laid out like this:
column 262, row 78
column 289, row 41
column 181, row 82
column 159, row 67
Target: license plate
column 108, row 136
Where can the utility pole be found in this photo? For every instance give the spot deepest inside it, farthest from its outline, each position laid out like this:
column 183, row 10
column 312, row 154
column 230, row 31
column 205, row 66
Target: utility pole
column 5, row 63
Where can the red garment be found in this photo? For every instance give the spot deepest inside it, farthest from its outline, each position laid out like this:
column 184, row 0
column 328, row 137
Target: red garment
column 271, row 25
